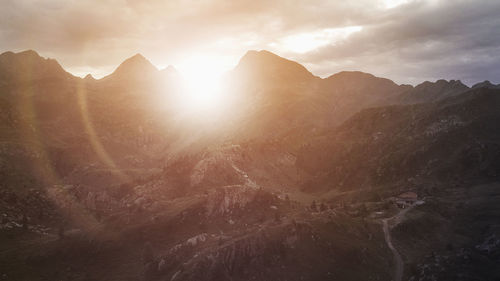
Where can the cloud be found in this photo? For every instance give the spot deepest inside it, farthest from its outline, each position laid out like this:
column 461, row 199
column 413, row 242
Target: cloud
column 422, row 40
column 406, row 40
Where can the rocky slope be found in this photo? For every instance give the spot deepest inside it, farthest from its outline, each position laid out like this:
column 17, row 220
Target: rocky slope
column 102, row 180
column 452, row 140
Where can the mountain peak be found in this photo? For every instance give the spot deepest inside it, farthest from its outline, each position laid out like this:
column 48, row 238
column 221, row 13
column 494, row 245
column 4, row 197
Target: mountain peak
column 434, row 91
column 134, row 67
column 264, row 56
column 29, row 53
column 441, row 83
column 361, row 79
column 351, row 74
column 260, row 53
column 266, row 65
column 365, row 86
column 136, row 61
column 29, row 65
column 169, row 70
column 7, row 53
column 137, row 57
column 22, row 54
column 486, row 84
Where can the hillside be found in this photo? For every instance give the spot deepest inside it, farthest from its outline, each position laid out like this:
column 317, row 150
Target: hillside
column 105, row 179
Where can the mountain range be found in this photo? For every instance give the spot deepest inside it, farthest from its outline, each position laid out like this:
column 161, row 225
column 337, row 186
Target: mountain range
column 107, row 179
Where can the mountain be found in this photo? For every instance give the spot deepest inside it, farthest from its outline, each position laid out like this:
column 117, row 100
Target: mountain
column 264, row 87
column 264, row 67
column 442, row 141
column 301, row 178
column 89, row 78
column 348, row 92
column 76, row 123
column 136, row 69
column 170, row 71
column 433, row 91
column 363, row 85
column 31, row 85
column 279, row 97
column 485, row 84
column 28, row 66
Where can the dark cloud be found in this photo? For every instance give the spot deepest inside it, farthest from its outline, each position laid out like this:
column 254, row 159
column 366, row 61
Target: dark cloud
column 419, row 41
column 414, row 41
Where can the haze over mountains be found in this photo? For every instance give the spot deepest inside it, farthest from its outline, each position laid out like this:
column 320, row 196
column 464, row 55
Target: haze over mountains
column 110, row 179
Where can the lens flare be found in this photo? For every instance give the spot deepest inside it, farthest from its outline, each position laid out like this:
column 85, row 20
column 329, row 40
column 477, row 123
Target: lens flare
column 202, row 85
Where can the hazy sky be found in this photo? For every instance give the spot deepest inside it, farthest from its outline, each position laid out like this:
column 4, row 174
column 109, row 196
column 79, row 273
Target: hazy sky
column 406, row 40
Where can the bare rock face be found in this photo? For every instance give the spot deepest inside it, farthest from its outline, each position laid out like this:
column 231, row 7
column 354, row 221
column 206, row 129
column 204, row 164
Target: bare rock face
column 215, row 170
column 223, row 200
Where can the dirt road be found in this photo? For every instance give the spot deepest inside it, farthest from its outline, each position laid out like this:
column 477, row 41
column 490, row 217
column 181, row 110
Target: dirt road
column 399, row 265
column 398, row 271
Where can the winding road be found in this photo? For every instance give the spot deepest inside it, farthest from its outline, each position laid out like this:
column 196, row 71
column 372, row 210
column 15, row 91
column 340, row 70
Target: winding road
column 398, row 272
column 399, row 265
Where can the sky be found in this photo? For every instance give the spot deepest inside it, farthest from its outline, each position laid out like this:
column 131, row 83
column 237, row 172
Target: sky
column 408, row 41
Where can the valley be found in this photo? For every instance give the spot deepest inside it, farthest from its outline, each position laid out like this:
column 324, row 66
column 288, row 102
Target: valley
column 299, row 178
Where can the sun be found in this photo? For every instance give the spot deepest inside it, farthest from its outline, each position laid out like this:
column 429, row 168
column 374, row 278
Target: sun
column 202, row 84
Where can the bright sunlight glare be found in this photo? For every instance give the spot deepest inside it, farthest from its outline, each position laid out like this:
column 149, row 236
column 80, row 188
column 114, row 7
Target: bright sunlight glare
column 202, row 76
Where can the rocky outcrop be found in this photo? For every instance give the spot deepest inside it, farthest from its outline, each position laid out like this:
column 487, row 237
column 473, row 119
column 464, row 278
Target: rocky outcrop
column 224, row 200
